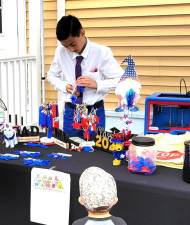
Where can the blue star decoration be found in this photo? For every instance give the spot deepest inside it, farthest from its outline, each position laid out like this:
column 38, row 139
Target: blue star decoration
column 130, row 71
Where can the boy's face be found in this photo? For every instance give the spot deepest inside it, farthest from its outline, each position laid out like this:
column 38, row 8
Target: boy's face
column 75, row 44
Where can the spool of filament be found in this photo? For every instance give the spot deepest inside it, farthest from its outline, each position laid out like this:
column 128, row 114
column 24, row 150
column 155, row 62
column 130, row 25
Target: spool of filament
column 186, row 164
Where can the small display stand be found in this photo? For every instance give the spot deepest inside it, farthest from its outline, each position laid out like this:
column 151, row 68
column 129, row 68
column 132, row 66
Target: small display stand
column 167, row 112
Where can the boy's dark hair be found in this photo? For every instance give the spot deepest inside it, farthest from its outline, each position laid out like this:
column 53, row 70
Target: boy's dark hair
column 68, row 26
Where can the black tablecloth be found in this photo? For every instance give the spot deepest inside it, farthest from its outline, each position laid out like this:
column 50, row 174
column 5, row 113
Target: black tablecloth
column 159, row 199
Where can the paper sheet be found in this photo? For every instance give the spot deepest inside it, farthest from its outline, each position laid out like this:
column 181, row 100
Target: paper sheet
column 50, row 197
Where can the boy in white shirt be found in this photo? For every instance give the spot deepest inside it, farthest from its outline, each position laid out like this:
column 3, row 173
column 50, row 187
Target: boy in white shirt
column 99, row 70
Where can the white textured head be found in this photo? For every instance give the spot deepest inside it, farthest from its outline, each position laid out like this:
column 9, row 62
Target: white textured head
column 97, row 189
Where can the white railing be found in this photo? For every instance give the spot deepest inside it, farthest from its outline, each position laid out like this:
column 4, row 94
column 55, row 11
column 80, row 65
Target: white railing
column 18, row 89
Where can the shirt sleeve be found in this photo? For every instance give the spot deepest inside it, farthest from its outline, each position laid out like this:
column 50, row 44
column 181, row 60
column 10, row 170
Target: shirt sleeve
column 111, row 71
column 81, row 221
column 123, row 222
column 118, row 220
column 54, row 75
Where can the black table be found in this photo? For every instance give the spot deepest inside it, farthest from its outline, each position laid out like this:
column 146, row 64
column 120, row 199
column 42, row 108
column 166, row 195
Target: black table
column 160, row 199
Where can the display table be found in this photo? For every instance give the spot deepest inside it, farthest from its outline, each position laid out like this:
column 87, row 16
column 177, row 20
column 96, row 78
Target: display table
column 160, row 199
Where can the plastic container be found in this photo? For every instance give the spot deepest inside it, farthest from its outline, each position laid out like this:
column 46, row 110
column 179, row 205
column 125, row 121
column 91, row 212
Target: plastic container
column 186, row 164
column 142, row 155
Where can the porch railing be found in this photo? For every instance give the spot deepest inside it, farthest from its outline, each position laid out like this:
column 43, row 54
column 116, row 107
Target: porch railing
column 18, row 89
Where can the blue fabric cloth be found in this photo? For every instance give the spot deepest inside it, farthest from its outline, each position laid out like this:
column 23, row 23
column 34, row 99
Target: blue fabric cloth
column 68, row 122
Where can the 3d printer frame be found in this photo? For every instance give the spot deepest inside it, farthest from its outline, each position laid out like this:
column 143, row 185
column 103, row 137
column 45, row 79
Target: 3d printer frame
column 167, row 112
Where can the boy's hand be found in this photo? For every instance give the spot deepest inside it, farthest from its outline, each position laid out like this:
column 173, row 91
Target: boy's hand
column 86, row 82
column 69, row 88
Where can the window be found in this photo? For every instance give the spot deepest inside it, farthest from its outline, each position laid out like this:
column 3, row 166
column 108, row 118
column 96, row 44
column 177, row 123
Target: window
column 0, row 17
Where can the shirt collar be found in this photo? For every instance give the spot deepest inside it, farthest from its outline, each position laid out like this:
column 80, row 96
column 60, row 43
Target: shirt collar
column 85, row 51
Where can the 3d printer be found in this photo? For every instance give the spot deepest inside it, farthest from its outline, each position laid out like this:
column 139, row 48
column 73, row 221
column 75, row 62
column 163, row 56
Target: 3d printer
column 167, row 112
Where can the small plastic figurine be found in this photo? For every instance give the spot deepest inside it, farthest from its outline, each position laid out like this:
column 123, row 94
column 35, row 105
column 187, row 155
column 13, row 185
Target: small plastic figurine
column 9, row 136
column 120, row 145
column 119, row 153
column 86, row 121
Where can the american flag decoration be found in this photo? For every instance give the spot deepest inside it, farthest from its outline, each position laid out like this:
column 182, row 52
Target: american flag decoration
column 130, row 71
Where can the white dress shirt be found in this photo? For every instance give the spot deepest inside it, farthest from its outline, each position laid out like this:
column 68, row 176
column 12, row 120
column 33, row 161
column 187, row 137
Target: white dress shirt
column 98, row 63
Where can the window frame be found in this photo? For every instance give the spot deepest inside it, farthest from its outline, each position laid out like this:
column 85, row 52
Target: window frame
column 1, row 19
